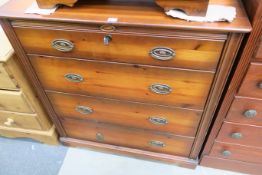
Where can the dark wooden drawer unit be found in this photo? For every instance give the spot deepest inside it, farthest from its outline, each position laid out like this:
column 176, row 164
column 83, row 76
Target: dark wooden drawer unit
column 157, row 118
column 234, row 142
column 146, row 85
column 169, row 144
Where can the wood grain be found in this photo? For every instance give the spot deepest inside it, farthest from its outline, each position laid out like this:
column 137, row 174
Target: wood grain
column 258, row 54
column 126, row 137
column 240, row 106
column 189, row 53
column 250, row 134
column 179, row 121
column 124, row 81
column 240, row 153
column 46, row 4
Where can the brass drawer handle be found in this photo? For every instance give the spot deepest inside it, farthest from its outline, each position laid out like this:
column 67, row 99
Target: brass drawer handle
column 162, row 53
column 226, row 153
column 236, row 135
column 63, row 45
column 9, row 122
column 99, row 137
column 107, row 40
column 84, row 110
column 74, row 77
column 161, row 89
column 251, row 113
column 158, row 120
column 156, row 143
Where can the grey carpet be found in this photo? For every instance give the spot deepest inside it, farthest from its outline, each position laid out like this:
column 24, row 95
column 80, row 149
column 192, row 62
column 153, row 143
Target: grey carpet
column 27, row 157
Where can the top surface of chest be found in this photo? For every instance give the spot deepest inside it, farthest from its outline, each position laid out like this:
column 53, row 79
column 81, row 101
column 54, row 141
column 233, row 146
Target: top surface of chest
column 128, row 13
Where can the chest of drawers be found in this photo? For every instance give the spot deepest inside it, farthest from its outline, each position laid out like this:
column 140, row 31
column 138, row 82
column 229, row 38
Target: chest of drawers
column 146, row 85
column 21, row 113
column 235, row 142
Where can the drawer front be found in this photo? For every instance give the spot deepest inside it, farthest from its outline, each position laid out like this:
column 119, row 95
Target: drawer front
column 148, row 84
column 144, row 116
column 241, row 134
column 252, row 84
column 6, row 82
column 129, row 48
column 127, row 137
column 19, row 120
column 237, row 152
column 14, row 101
column 246, row 111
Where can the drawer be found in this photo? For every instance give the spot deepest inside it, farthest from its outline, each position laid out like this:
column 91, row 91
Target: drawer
column 246, row 111
column 14, row 101
column 127, row 137
column 148, row 84
column 237, row 152
column 6, row 81
column 19, row 120
column 138, row 115
column 252, row 84
column 181, row 51
column 240, row 134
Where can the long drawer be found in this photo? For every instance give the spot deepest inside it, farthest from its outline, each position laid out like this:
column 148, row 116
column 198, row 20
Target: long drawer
column 252, row 84
column 237, row 152
column 156, row 85
column 246, row 111
column 14, row 101
column 181, row 51
column 240, row 134
column 153, row 117
column 19, row 120
column 120, row 136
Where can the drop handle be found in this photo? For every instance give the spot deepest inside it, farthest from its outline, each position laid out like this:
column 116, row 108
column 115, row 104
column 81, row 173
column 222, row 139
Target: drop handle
column 107, row 40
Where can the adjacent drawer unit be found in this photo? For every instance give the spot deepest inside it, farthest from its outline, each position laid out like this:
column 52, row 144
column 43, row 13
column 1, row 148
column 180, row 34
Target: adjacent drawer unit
column 162, row 143
column 129, row 114
column 144, row 48
column 156, row 85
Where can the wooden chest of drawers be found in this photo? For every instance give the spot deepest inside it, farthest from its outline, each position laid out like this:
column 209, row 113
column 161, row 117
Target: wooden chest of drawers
column 21, row 113
column 235, row 139
column 146, row 85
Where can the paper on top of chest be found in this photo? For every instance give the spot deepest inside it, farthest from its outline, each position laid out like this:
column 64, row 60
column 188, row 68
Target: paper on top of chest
column 214, row 13
column 36, row 10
